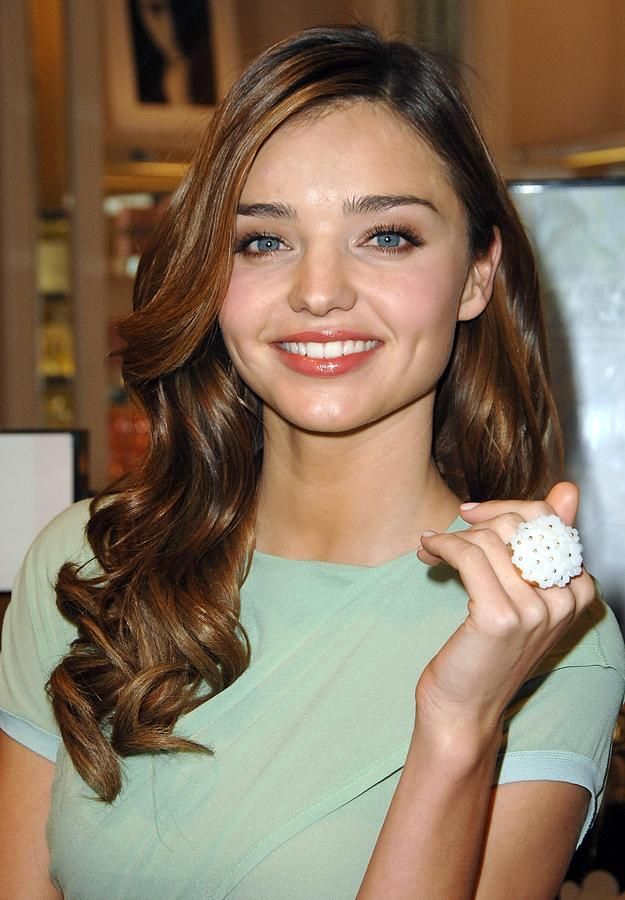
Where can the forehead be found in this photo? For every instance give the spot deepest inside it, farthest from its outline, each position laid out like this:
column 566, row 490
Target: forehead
column 341, row 150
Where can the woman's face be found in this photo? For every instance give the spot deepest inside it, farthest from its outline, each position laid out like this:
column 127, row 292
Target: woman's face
column 351, row 271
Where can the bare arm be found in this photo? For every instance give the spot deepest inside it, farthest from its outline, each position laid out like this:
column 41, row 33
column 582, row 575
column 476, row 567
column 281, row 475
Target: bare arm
column 532, row 831
column 431, row 840
column 447, row 834
column 464, row 840
column 25, row 785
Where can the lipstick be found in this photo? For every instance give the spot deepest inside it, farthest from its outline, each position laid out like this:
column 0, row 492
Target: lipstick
column 327, row 353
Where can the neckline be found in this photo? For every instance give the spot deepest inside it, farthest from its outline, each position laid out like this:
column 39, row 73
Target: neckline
column 321, row 564
column 331, row 566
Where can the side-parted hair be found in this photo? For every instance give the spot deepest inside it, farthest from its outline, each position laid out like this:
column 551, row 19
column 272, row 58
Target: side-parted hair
column 158, row 624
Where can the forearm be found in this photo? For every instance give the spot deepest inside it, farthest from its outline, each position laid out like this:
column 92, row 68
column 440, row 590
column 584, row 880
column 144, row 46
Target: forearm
column 430, row 844
column 25, row 784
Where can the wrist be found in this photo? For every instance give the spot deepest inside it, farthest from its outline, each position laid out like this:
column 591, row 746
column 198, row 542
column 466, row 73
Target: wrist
column 458, row 746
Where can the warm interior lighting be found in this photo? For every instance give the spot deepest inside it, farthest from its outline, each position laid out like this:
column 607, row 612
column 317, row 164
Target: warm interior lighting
column 588, row 159
column 151, row 177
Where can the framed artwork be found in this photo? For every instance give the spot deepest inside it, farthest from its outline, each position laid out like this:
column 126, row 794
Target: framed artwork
column 167, row 62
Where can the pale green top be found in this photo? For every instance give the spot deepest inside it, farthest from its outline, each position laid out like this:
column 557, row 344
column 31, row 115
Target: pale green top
column 308, row 743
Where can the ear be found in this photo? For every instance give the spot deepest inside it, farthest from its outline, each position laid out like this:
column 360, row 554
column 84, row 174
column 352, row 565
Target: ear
column 479, row 284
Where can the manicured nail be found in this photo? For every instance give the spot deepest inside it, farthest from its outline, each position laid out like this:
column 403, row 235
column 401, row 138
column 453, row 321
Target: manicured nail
column 468, row 506
column 428, row 533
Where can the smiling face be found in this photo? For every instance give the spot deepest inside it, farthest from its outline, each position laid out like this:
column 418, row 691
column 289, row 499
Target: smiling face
column 351, row 270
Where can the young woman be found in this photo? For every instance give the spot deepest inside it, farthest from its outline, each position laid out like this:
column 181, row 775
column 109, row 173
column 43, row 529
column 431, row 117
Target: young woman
column 337, row 340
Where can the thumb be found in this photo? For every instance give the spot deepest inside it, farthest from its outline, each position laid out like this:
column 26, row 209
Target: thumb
column 564, row 498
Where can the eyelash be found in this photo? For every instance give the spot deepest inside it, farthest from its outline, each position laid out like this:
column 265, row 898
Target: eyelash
column 242, row 245
column 413, row 239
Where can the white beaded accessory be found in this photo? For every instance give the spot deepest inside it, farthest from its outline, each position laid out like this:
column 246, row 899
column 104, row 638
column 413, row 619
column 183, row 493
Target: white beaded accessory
column 547, row 552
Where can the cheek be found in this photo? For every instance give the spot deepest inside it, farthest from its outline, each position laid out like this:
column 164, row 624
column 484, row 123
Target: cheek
column 234, row 318
column 248, row 306
column 426, row 303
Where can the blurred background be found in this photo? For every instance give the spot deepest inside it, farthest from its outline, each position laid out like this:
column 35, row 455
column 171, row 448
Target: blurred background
column 101, row 105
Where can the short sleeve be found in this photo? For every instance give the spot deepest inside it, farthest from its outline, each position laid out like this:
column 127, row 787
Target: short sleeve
column 35, row 636
column 560, row 725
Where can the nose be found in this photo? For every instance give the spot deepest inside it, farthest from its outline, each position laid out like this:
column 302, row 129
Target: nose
column 321, row 283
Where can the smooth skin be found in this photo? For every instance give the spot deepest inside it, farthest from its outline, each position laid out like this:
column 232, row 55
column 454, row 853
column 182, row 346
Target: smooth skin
column 25, row 785
column 348, row 477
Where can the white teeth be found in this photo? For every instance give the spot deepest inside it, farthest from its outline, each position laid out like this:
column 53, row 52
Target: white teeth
column 327, row 349
column 333, row 349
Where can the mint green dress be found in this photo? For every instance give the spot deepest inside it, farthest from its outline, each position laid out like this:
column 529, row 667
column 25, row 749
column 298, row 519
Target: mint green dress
column 308, row 743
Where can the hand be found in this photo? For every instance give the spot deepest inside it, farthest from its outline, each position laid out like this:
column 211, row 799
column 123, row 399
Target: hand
column 510, row 625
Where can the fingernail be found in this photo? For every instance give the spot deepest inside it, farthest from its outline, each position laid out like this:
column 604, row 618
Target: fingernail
column 467, row 506
column 428, row 533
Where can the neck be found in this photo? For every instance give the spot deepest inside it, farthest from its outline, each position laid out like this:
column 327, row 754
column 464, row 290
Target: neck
column 361, row 498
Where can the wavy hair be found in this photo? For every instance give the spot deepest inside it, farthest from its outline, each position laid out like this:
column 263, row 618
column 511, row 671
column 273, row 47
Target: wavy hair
column 158, row 625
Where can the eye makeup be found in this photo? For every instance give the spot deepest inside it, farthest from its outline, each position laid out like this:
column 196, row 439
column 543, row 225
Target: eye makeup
column 270, row 243
column 411, row 237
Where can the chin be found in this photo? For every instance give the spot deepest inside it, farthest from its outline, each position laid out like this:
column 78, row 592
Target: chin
column 325, row 420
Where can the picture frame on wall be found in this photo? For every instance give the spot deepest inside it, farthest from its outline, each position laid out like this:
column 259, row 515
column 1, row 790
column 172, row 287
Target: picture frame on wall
column 166, row 64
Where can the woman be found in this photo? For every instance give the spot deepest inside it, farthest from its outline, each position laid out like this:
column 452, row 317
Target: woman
column 337, row 338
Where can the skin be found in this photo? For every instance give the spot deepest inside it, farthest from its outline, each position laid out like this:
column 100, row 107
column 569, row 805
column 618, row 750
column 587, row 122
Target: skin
column 25, row 784
column 328, row 439
column 347, row 476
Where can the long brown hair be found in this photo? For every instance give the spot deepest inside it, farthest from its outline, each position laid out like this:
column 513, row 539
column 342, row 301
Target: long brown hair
column 158, row 626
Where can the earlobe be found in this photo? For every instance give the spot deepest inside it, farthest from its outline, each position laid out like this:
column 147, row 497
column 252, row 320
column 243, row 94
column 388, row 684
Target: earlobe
column 478, row 287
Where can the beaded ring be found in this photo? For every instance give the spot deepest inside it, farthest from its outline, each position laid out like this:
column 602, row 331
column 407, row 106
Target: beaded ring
column 546, row 552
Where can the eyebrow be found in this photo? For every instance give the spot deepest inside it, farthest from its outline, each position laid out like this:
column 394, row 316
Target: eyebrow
column 381, row 202
column 354, row 206
column 267, row 210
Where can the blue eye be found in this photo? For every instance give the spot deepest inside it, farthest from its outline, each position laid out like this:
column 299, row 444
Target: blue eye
column 392, row 239
column 265, row 245
column 259, row 244
column 388, row 239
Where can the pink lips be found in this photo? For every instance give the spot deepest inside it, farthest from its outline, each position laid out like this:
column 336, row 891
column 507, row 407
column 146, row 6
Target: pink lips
column 324, row 368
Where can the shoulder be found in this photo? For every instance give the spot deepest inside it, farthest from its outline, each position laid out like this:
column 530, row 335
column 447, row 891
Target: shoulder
column 33, row 608
column 559, row 726
column 65, row 532
column 595, row 639
column 584, row 674
column 35, row 635
column 62, row 540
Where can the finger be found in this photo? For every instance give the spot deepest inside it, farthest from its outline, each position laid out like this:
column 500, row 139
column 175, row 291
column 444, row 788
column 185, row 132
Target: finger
column 504, row 526
column 554, row 607
column 583, row 589
column 522, row 594
column 564, row 498
column 427, row 556
column 534, row 606
column 490, row 509
column 551, row 608
column 561, row 500
column 479, row 579
column 503, row 529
